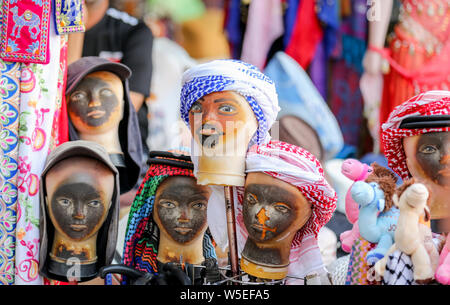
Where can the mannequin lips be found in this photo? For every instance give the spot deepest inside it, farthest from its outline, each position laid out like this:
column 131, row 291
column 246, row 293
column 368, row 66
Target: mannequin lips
column 445, row 172
column 183, row 230
column 78, row 227
column 209, row 135
column 96, row 114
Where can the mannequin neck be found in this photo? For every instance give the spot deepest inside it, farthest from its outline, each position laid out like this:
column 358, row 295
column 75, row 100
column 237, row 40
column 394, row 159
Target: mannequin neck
column 108, row 139
column 171, row 251
column 268, row 260
column 64, row 248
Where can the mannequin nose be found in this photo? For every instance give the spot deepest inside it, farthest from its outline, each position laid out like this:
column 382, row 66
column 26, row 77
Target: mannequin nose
column 94, row 102
column 446, row 158
column 185, row 216
column 262, row 216
column 78, row 212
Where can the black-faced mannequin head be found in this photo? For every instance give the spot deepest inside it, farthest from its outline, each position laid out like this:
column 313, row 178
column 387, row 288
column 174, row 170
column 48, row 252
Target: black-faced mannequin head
column 180, row 208
column 96, row 103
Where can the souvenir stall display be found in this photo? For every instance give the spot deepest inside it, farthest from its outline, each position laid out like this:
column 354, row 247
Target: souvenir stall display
column 228, row 106
column 418, row 51
column 286, row 201
column 79, row 212
column 100, row 110
column 167, row 224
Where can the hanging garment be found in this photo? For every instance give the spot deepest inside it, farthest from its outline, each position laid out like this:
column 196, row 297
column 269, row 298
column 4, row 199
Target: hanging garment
column 233, row 28
column 38, row 89
column 69, row 17
column 307, row 33
column 264, row 26
column 25, row 31
column 418, row 54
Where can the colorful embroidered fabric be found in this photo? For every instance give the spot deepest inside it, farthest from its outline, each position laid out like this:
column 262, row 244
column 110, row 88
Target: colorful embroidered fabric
column 142, row 233
column 69, row 16
column 25, row 31
column 38, row 89
column 9, row 123
column 428, row 103
column 233, row 75
column 358, row 272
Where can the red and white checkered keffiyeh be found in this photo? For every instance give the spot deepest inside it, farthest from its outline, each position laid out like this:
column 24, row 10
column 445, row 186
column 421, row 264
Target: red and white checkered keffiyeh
column 300, row 168
column 428, row 103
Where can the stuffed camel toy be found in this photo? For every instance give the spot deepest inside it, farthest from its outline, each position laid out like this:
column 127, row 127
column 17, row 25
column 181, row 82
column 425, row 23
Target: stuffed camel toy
column 411, row 236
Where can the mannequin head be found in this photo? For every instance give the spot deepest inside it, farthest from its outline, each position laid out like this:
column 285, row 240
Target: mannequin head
column 287, row 200
column 218, row 118
column 428, row 161
column 228, row 106
column 222, row 124
column 169, row 220
column 79, row 192
column 79, row 211
column 416, row 143
column 273, row 211
column 180, row 209
column 96, row 104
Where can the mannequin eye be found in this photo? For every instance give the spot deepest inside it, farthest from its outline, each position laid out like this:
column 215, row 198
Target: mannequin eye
column 226, row 108
column 78, row 96
column 64, row 202
column 251, row 199
column 428, row 149
column 106, row 92
column 282, row 207
column 94, row 203
column 199, row 205
column 167, row 204
column 196, row 107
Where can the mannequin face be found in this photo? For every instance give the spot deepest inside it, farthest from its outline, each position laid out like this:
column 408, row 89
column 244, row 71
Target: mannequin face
column 180, row 208
column 96, row 104
column 273, row 209
column 218, row 117
column 79, row 194
column 433, row 156
column 428, row 160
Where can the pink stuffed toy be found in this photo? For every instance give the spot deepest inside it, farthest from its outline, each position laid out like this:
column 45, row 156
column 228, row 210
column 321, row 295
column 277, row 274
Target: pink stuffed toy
column 443, row 271
column 356, row 171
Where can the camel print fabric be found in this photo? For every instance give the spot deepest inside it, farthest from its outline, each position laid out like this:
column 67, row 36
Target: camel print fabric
column 25, row 31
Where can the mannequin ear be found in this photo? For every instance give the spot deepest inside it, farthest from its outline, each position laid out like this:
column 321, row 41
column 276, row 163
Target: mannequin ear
column 380, row 204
